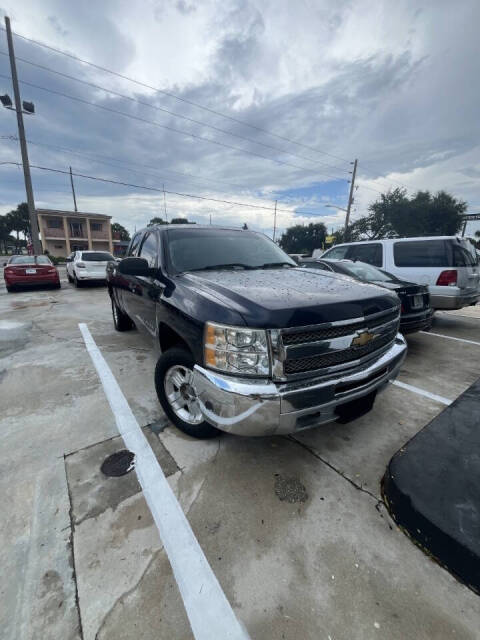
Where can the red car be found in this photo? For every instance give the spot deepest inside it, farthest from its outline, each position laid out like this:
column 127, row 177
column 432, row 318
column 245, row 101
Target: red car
column 30, row 270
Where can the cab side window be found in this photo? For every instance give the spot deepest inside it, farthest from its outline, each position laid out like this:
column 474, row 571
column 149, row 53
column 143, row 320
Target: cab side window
column 148, row 249
column 132, row 249
column 370, row 253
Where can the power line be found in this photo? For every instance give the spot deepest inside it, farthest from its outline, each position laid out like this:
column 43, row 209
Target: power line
column 172, row 113
column 158, row 190
column 94, row 158
column 195, row 104
column 163, row 126
column 172, row 95
column 116, row 166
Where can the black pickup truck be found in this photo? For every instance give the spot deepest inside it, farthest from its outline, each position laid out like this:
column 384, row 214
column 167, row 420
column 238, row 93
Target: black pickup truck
column 249, row 342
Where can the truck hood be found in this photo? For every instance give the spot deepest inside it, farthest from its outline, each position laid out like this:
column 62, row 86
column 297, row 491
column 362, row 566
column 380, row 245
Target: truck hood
column 277, row 298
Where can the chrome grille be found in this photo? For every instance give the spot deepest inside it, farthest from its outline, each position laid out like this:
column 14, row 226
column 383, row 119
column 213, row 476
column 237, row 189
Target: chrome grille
column 304, row 337
column 300, row 365
column 332, row 346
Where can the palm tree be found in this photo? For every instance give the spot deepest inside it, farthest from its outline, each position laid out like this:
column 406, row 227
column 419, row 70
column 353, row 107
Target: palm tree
column 19, row 221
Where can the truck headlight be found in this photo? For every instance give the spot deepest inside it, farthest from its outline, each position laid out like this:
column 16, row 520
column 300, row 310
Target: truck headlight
column 236, row 349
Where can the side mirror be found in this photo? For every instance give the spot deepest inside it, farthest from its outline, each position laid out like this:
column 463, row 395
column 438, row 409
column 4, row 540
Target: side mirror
column 134, row 267
column 4, row 264
column 68, row 260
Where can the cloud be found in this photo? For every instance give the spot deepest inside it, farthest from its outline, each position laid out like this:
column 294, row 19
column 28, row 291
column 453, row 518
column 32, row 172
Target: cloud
column 385, row 83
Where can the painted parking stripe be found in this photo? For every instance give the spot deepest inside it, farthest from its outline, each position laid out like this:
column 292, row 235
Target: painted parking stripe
column 207, row 607
column 441, row 335
column 422, row 392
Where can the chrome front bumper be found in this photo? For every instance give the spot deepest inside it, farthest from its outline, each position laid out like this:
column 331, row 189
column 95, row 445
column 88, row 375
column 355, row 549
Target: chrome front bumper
column 262, row 407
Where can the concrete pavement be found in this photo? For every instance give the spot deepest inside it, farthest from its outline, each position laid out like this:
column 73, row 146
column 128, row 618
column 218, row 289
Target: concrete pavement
column 293, row 527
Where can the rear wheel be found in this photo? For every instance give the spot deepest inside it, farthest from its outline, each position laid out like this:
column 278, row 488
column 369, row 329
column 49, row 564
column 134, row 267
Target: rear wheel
column 173, row 382
column 9, row 288
column 76, row 281
column 121, row 321
column 70, row 279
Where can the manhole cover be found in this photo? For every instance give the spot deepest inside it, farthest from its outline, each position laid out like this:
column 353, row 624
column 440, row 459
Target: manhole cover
column 118, row 464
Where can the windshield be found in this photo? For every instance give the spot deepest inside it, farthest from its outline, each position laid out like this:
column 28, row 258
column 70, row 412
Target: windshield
column 43, row 260
column 97, row 256
column 198, row 249
column 364, row 271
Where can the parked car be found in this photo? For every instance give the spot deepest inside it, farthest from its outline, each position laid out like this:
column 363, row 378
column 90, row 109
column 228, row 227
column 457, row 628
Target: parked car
column 21, row 271
column 416, row 312
column 444, row 263
column 250, row 343
column 88, row 265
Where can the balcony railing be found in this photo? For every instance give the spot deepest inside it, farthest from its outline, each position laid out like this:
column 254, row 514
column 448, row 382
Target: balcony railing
column 99, row 235
column 53, row 232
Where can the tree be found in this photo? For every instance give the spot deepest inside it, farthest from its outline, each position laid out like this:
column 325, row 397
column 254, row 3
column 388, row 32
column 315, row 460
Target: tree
column 5, row 229
column 19, row 221
column 157, row 220
column 181, row 221
column 303, row 239
column 394, row 215
column 123, row 233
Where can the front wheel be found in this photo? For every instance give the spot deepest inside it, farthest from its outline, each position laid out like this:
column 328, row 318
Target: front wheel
column 173, row 383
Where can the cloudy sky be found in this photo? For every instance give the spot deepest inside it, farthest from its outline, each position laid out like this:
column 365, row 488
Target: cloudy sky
column 298, row 89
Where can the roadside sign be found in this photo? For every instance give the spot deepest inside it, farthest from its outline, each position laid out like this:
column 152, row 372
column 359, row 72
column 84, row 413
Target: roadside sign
column 329, row 239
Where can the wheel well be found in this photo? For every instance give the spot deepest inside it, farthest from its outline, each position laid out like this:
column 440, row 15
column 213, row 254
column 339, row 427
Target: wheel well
column 169, row 338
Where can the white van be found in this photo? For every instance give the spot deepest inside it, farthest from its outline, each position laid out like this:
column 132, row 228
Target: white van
column 447, row 264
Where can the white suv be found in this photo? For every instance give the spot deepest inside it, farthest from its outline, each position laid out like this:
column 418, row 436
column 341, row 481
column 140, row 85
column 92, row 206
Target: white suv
column 87, row 265
column 447, row 264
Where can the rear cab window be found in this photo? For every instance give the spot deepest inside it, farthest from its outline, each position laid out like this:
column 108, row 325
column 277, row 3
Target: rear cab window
column 422, row 253
column 371, row 253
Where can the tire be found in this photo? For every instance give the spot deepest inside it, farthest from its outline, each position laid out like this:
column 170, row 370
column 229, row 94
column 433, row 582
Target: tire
column 121, row 321
column 57, row 286
column 172, row 366
column 10, row 289
column 70, row 279
column 77, row 282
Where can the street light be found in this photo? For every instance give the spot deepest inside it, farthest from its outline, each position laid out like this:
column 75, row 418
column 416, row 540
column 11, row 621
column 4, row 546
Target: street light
column 334, row 206
column 28, row 107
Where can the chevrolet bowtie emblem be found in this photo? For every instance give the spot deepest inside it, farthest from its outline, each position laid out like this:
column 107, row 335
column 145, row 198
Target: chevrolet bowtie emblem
column 362, row 339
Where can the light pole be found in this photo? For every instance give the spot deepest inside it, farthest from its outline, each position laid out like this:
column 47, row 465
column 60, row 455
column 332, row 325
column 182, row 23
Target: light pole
column 20, row 108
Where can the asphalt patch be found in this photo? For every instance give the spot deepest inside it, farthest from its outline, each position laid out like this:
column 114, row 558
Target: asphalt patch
column 431, row 487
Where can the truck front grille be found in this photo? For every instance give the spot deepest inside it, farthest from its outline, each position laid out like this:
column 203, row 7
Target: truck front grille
column 304, row 337
column 320, row 347
column 299, row 365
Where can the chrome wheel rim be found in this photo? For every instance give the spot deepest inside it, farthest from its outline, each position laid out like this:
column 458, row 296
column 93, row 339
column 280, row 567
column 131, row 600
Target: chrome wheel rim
column 181, row 395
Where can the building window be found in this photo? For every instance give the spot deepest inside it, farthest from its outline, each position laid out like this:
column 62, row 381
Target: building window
column 76, row 230
column 96, row 226
column 54, row 223
column 58, row 246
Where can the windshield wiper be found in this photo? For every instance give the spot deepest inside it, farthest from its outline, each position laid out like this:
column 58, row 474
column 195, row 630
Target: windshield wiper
column 231, row 265
column 267, row 265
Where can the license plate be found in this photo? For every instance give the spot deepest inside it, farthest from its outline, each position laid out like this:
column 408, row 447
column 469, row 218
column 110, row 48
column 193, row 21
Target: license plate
column 417, row 302
column 30, row 271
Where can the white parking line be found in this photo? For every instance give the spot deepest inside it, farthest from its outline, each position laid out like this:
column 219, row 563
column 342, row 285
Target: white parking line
column 441, row 335
column 207, row 607
column 422, row 392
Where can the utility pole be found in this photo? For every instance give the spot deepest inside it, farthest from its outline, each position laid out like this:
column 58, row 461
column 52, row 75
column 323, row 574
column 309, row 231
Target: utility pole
column 73, row 190
column 165, row 202
column 350, row 198
column 37, row 245
column 275, row 221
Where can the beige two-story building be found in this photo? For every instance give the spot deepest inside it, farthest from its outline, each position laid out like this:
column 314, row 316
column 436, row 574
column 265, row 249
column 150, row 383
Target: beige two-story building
column 62, row 232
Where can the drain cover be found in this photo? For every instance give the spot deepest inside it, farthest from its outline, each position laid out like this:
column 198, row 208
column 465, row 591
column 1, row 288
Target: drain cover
column 118, row 464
